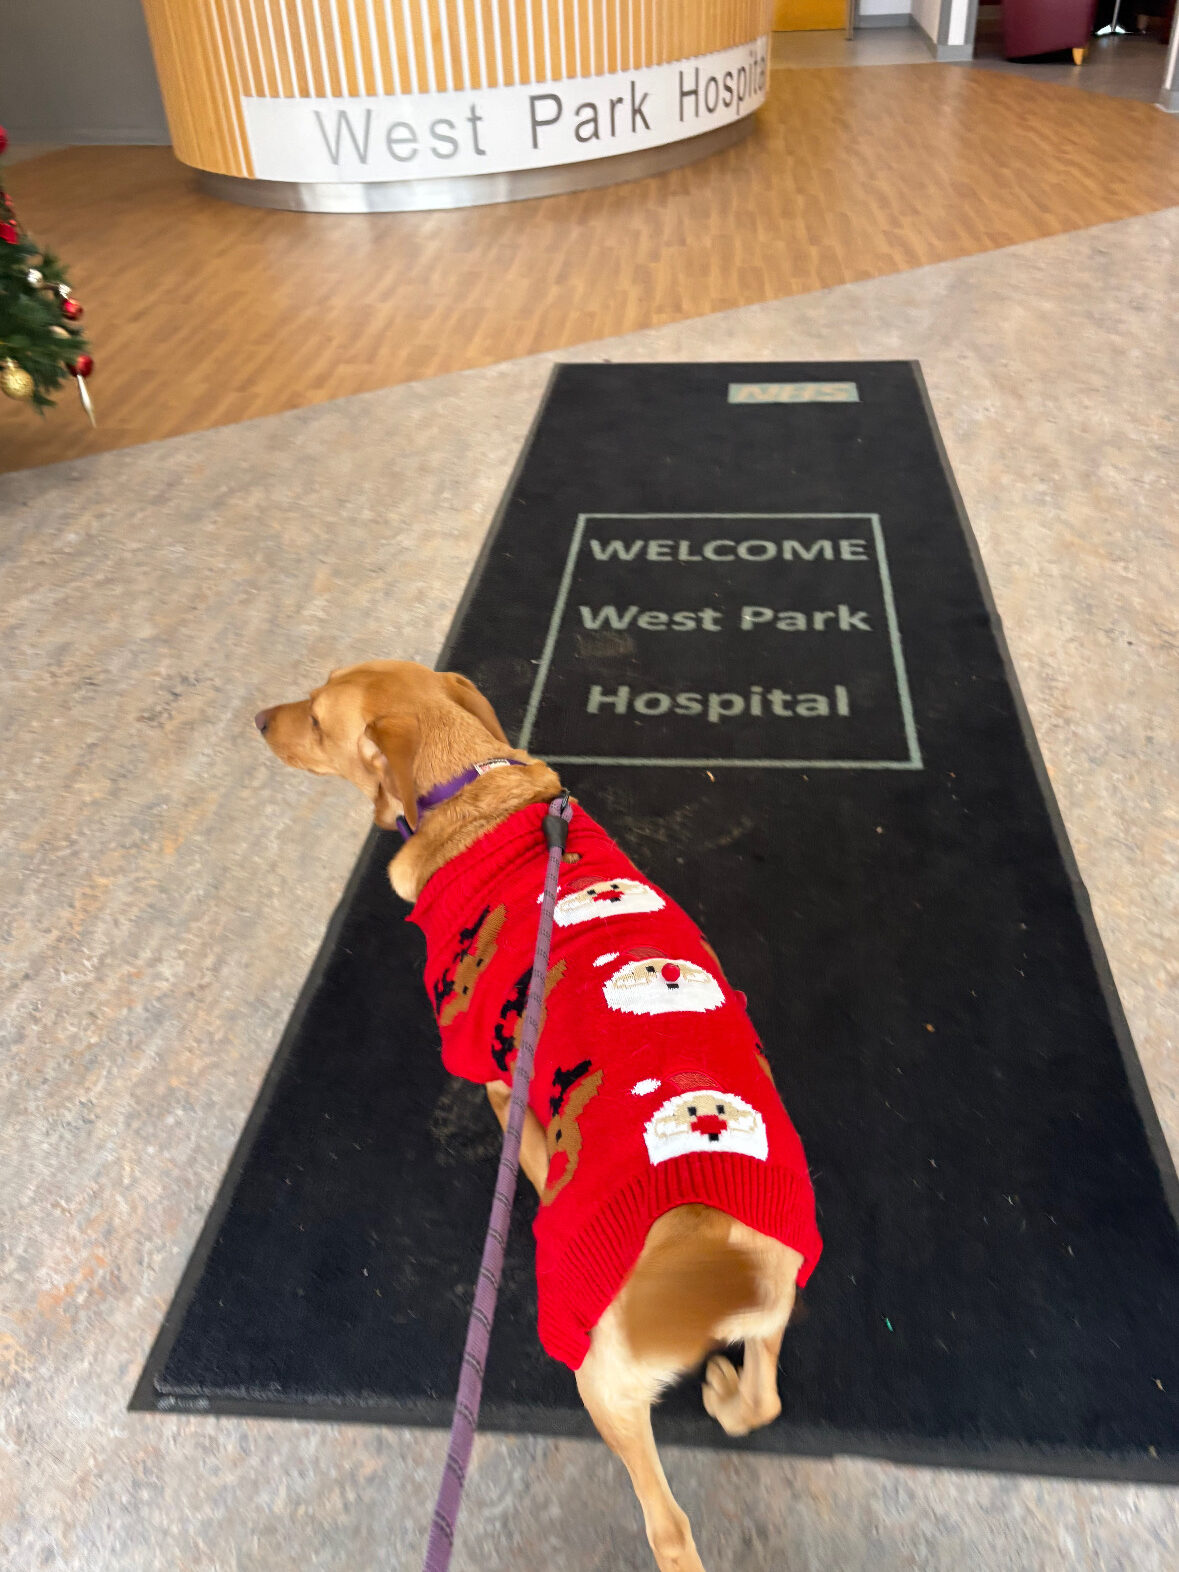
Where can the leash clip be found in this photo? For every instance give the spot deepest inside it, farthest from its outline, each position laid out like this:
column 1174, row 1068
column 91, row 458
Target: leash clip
column 556, row 822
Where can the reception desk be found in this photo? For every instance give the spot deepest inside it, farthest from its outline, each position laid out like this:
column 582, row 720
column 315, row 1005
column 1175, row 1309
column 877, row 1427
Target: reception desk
column 375, row 105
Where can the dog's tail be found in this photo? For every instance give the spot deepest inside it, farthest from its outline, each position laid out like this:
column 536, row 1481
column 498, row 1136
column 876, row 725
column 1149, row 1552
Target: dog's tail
column 691, row 1289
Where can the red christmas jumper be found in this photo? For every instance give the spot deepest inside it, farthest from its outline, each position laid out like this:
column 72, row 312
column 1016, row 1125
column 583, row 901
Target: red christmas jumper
column 649, row 1077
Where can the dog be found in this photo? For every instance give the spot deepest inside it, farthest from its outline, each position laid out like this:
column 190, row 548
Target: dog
column 676, row 1216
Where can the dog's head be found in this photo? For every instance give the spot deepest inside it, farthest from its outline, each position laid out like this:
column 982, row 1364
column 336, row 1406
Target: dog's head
column 368, row 723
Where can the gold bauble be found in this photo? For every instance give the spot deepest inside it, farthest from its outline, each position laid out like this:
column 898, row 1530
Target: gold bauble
column 15, row 381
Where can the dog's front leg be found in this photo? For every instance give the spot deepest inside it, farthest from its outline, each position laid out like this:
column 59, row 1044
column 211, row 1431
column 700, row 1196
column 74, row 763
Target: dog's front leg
column 534, row 1157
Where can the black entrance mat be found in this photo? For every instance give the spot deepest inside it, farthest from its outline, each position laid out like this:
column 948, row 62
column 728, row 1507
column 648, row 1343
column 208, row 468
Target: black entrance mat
column 741, row 605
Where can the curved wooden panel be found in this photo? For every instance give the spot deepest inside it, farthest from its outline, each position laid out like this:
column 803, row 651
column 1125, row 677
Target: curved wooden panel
column 211, row 54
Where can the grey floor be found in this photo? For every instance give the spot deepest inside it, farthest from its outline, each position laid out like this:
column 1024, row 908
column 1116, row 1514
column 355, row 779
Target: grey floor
column 165, row 886
column 19, row 152
column 1130, row 67
column 1123, row 67
column 876, row 46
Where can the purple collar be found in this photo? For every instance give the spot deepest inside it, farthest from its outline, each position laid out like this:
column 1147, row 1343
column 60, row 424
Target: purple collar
column 451, row 788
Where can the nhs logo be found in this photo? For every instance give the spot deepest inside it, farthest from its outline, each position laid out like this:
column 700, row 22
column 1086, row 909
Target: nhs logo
column 793, row 393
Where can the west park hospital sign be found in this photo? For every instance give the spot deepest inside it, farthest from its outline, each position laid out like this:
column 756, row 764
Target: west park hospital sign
column 492, row 130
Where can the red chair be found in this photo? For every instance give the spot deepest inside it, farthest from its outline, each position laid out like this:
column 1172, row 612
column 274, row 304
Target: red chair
column 1040, row 27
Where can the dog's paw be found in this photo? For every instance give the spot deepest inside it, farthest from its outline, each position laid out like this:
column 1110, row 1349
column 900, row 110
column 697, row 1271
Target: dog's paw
column 723, row 1397
column 737, row 1405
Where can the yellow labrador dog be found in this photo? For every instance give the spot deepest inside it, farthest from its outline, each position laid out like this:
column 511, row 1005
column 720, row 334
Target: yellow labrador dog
column 703, row 1280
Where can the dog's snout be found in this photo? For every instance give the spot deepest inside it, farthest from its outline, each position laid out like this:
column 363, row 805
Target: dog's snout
column 263, row 719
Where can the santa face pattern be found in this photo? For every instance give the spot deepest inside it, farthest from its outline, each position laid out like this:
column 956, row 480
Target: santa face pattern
column 705, row 1121
column 653, row 984
column 589, row 900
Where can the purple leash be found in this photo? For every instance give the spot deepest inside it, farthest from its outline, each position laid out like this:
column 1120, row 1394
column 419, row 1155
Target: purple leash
column 470, row 1388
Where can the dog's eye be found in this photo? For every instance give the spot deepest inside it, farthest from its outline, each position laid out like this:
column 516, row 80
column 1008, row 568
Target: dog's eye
column 314, row 723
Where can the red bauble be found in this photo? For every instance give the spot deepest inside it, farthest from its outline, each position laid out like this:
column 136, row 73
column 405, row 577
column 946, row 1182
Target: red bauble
column 82, row 367
column 3, row 139
column 71, row 310
column 10, row 233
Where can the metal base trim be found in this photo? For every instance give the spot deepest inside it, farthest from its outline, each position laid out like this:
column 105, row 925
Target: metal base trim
column 406, row 196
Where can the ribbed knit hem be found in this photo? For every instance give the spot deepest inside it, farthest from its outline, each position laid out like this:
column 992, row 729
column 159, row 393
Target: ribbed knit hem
column 775, row 1201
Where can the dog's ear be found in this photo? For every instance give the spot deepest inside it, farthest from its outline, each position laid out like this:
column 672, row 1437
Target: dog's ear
column 389, row 747
column 463, row 691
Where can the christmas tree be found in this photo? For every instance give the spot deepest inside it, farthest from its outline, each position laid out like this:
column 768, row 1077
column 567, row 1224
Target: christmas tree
column 41, row 338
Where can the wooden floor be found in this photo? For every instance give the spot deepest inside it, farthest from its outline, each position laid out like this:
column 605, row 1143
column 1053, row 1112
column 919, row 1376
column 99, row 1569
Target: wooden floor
column 204, row 313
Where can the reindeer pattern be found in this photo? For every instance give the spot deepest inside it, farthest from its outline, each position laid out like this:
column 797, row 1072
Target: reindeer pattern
column 563, row 1136
column 454, row 986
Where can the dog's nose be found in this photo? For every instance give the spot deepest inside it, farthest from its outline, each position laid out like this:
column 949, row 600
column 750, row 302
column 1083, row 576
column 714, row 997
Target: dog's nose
column 263, row 719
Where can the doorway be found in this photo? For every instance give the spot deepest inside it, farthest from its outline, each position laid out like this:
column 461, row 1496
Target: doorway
column 809, row 16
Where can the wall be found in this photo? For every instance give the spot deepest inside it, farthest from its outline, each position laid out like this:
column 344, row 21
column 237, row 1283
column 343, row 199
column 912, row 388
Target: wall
column 78, row 71
column 899, row 9
column 948, row 26
column 926, row 14
column 1169, row 94
column 960, row 23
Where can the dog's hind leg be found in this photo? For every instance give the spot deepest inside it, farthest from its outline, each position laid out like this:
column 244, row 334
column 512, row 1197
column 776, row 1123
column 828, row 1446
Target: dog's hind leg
column 704, row 1281
column 745, row 1402
column 618, row 1391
